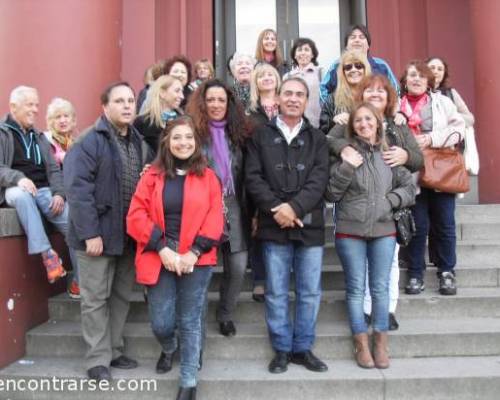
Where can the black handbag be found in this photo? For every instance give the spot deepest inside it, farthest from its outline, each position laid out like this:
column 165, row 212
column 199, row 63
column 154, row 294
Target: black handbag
column 405, row 226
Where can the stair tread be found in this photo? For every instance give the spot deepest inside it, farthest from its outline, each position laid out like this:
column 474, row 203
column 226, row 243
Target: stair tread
column 417, row 326
column 329, row 295
column 256, row 370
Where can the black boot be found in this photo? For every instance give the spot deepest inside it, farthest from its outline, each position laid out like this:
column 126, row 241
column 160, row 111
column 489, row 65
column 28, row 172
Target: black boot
column 188, row 393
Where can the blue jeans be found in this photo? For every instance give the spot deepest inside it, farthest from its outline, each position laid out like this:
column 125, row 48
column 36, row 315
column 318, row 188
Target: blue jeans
column 182, row 300
column 279, row 259
column 353, row 254
column 30, row 211
column 435, row 210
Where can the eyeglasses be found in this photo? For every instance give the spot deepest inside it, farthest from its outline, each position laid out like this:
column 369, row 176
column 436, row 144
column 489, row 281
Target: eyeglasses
column 358, row 66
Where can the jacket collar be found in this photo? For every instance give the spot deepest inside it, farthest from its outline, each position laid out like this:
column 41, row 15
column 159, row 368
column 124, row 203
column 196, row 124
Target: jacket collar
column 364, row 146
column 9, row 123
column 305, row 124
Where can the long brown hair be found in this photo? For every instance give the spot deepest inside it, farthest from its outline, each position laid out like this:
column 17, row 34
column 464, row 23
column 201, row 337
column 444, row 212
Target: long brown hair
column 259, row 50
column 237, row 126
column 165, row 160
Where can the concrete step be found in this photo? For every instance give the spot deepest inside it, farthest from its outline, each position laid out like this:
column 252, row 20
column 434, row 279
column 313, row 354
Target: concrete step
column 333, row 277
column 460, row 378
column 469, row 302
column 469, row 252
column 474, row 222
column 415, row 338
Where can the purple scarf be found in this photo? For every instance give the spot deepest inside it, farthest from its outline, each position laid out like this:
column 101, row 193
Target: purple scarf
column 221, row 157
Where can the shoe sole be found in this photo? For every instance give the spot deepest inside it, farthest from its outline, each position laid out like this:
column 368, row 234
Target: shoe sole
column 448, row 292
column 299, row 362
column 410, row 291
column 74, row 296
column 278, row 371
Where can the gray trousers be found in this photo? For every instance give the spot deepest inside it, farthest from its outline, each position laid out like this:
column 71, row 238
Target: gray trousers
column 106, row 285
column 234, row 267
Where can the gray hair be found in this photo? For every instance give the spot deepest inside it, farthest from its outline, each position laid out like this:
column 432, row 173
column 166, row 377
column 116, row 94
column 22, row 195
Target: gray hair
column 19, row 93
column 239, row 56
column 56, row 105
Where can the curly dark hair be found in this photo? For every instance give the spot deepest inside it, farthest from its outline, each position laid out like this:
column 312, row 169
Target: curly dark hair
column 165, row 160
column 237, row 127
column 301, row 42
column 169, row 63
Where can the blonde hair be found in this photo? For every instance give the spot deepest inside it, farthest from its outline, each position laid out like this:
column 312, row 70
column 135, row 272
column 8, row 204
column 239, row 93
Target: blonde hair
column 154, row 105
column 259, row 50
column 208, row 64
column 58, row 104
column 344, row 95
column 258, row 71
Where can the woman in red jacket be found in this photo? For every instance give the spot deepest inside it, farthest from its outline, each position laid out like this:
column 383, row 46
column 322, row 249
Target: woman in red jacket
column 176, row 218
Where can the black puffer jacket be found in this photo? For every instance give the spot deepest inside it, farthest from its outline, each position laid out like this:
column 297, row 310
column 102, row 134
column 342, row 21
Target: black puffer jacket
column 297, row 174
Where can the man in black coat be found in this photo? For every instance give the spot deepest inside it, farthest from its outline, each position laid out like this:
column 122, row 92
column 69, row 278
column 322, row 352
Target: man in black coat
column 286, row 175
column 101, row 172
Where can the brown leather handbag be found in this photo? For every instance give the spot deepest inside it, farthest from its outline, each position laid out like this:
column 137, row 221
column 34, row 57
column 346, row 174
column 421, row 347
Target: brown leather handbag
column 444, row 169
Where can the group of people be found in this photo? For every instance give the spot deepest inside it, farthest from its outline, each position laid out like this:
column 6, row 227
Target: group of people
column 160, row 186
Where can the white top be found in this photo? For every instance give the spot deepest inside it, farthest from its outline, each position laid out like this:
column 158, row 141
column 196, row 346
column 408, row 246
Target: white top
column 288, row 133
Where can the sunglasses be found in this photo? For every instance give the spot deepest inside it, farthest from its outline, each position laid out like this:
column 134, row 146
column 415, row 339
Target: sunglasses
column 358, row 66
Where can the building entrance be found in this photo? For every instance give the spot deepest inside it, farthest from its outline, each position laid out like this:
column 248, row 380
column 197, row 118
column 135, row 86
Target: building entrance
column 239, row 22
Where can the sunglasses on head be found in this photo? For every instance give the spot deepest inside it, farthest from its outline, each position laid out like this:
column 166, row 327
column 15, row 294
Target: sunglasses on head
column 358, row 66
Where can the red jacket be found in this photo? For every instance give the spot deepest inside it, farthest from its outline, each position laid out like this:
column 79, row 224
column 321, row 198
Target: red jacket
column 201, row 216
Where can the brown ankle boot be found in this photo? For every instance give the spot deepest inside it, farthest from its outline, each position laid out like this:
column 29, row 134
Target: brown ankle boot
column 362, row 351
column 380, row 352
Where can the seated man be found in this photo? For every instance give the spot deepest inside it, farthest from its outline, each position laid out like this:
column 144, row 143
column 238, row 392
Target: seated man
column 357, row 38
column 30, row 179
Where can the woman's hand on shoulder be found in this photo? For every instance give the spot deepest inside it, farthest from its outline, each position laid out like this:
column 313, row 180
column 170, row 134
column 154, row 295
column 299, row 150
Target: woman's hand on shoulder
column 399, row 119
column 341, row 119
column 351, row 156
column 395, row 156
column 423, row 141
column 145, row 169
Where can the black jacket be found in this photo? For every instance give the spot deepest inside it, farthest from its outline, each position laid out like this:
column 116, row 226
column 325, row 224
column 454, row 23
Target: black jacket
column 9, row 177
column 328, row 111
column 257, row 117
column 276, row 172
column 150, row 132
column 92, row 179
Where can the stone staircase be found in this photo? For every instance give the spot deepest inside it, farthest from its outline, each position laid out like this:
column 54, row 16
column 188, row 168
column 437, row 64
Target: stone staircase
column 446, row 347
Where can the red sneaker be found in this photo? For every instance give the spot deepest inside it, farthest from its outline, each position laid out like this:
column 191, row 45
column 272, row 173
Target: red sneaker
column 74, row 290
column 53, row 265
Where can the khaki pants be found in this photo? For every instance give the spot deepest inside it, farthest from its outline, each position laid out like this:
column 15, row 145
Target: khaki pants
column 106, row 285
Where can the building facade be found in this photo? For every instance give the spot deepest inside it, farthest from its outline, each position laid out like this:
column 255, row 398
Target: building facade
column 74, row 48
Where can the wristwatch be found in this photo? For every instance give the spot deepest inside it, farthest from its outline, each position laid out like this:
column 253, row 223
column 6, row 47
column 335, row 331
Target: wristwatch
column 196, row 252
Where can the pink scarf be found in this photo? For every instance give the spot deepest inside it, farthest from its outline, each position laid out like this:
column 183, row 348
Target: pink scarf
column 413, row 113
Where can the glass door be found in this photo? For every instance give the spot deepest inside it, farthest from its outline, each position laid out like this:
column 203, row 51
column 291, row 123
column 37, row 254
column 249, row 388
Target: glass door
column 239, row 22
